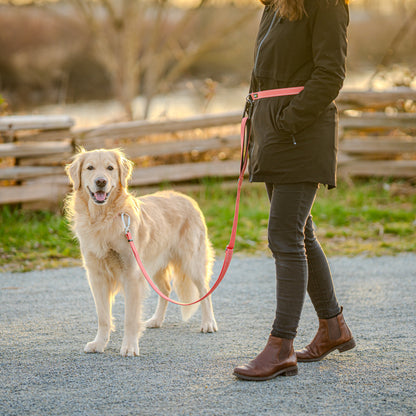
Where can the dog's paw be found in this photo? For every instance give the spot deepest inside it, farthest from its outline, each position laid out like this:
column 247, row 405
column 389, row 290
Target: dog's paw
column 129, row 350
column 209, row 326
column 93, row 347
column 153, row 322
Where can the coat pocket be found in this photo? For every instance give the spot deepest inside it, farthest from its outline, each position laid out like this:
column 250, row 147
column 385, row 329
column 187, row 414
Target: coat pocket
column 264, row 122
column 277, row 106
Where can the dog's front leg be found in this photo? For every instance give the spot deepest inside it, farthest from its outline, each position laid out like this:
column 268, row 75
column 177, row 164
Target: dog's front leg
column 133, row 326
column 102, row 297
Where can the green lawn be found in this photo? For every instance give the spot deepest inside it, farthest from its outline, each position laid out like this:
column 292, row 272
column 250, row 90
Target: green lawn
column 366, row 218
column 35, row 240
column 363, row 219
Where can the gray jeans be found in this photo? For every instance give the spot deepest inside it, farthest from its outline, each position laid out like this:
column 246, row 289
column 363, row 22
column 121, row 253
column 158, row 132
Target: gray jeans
column 301, row 265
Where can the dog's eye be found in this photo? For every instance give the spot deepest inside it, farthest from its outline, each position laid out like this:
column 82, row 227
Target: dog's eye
column 90, row 167
column 110, row 168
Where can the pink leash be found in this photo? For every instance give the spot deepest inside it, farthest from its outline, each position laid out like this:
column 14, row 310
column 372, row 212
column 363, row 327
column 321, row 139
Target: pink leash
column 245, row 141
column 280, row 92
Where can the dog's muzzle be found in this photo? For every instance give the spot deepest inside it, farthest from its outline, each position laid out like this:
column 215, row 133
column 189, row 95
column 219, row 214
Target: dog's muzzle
column 100, row 196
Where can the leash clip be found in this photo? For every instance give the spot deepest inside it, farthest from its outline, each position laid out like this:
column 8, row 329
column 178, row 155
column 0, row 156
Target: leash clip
column 126, row 222
column 248, row 109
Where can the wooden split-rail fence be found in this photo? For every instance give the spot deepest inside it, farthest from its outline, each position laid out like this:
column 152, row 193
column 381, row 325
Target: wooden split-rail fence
column 377, row 138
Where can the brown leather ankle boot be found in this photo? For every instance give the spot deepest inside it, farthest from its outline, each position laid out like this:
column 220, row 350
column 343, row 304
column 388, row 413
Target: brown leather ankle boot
column 333, row 334
column 277, row 359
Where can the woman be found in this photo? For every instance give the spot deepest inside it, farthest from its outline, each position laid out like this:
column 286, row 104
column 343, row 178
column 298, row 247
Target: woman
column 301, row 43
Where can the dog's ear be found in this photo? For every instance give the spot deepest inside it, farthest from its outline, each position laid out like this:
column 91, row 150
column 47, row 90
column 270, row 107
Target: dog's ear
column 125, row 168
column 73, row 170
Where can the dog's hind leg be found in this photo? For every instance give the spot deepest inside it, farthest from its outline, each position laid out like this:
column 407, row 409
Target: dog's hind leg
column 208, row 323
column 201, row 278
column 162, row 280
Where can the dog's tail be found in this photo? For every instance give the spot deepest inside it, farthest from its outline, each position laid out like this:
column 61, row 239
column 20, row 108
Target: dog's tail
column 192, row 275
column 187, row 292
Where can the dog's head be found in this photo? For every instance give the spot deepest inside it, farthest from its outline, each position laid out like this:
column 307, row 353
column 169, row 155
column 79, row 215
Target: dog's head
column 99, row 172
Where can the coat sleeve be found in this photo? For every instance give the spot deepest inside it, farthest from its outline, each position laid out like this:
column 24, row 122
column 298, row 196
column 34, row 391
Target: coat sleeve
column 328, row 28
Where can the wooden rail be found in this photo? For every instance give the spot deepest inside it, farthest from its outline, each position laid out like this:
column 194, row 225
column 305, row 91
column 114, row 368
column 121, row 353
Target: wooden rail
column 34, row 149
column 35, row 122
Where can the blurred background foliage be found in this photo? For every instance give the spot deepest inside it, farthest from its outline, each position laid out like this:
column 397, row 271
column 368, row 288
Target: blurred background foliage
column 93, row 52
column 59, row 52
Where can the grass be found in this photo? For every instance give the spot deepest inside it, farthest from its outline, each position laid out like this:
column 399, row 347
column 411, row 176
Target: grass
column 363, row 219
column 35, row 240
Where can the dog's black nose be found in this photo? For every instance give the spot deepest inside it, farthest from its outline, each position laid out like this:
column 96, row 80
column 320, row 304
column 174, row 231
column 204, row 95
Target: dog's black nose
column 100, row 182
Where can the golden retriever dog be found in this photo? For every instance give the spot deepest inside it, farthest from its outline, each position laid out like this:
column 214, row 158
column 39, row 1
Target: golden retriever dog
column 170, row 234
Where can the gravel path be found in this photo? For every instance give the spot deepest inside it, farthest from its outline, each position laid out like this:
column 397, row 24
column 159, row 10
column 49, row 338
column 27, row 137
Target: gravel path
column 48, row 316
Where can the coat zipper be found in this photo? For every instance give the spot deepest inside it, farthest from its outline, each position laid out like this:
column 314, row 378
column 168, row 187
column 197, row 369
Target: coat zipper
column 258, row 53
column 264, row 38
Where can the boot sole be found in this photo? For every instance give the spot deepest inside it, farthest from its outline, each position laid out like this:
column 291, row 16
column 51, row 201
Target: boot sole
column 346, row 346
column 290, row 371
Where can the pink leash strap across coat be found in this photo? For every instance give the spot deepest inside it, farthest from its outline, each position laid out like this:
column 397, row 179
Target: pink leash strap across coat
column 280, row 92
column 245, row 140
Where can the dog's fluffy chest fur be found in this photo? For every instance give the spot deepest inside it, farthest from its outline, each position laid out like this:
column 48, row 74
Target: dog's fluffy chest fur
column 106, row 236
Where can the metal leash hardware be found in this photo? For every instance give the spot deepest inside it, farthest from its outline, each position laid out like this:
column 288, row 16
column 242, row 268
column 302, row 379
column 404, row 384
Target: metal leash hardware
column 248, row 109
column 126, row 225
column 245, row 132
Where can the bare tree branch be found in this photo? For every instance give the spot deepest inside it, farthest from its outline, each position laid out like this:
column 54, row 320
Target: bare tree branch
column 135, row 49
column 401, row 33
column 182, row 65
